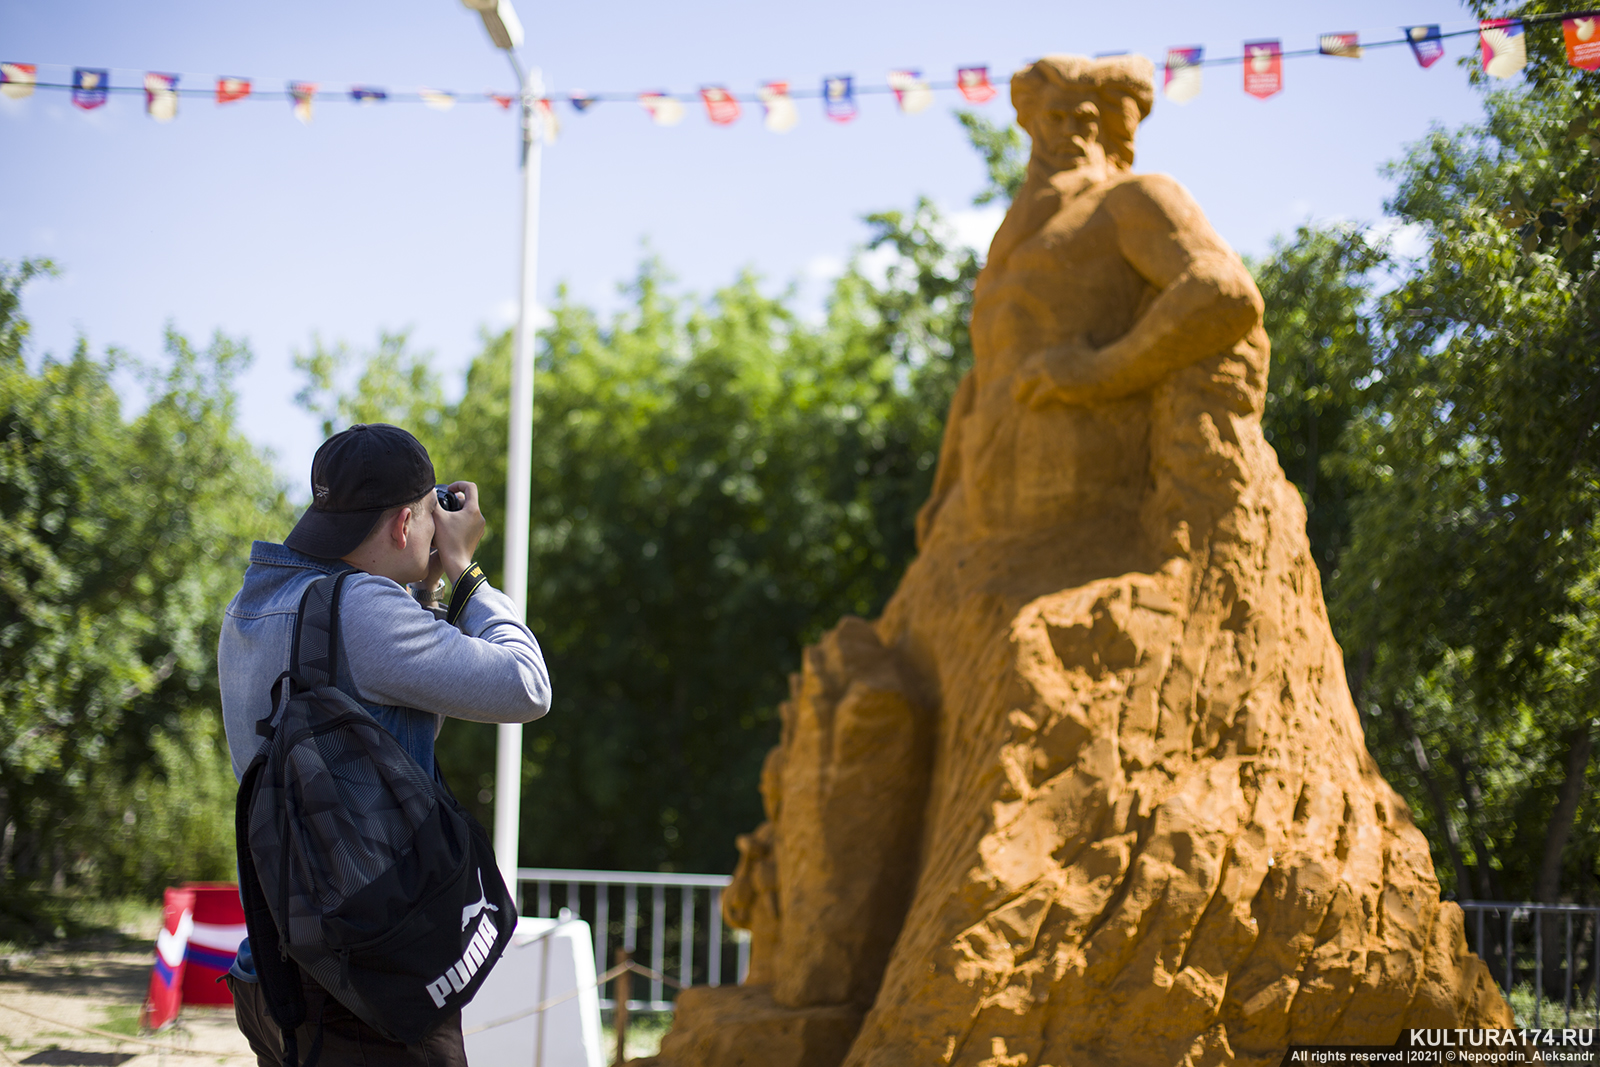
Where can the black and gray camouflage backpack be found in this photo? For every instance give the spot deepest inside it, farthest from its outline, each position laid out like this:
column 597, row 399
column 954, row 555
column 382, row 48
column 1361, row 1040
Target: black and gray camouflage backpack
column 354, row 863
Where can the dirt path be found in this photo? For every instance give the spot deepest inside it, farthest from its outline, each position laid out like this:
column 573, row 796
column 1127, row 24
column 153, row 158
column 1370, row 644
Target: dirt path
column 102, row 986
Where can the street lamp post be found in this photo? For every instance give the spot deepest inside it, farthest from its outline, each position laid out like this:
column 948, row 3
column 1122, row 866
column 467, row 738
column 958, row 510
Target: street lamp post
column 505, row 30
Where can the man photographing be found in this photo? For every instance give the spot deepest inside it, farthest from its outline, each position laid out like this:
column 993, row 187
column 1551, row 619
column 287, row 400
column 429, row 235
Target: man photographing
column 376, row 513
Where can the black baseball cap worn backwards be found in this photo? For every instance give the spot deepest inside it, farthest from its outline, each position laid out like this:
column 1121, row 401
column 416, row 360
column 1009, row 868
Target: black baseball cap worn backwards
column 356, row 476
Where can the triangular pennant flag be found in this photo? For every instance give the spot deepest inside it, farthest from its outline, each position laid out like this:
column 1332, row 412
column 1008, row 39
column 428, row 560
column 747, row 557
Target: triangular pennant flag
column 17, row 80
column 362, row 95
column 503, row 101
column 1505, row 49
column 1183, row 74
column 1263, row 68
column 89, row 88
column 974, row 84
column 161, row 96
column 781, row 114
column 910, row 91
column 437, row 99
column 721, row 107
column 303, row 93
column 231, row 89
column 1345, row 45
column 549, row 125
column 581, row 102
column 839, row 98
column 664, row 111
column 1426, row 44
column 1582, row 34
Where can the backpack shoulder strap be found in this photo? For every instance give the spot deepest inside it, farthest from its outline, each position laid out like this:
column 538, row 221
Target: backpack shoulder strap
column 314, row 656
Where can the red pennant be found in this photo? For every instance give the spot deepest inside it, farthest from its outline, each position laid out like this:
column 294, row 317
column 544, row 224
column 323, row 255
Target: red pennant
column 974, row 84
column 503, row 101
column 1583, row 41
column 1263, row 68
column 721, row 107
column 231, row 89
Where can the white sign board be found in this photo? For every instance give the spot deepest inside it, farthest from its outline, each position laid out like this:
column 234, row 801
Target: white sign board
column 548, row 959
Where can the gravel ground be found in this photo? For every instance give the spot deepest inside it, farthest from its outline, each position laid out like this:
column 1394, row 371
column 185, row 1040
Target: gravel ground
column 102, row 985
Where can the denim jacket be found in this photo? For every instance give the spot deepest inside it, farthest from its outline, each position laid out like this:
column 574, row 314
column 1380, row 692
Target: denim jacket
column 260, row 628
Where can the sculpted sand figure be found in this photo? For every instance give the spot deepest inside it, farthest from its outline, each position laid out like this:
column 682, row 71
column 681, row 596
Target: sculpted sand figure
column 1092, row 790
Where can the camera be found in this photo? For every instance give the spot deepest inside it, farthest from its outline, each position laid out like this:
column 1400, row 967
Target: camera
column 447, row 500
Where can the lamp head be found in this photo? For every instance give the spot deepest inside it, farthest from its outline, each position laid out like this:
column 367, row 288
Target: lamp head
column 500, row 19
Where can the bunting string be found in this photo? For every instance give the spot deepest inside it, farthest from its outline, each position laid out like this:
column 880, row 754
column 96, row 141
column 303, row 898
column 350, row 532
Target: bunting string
column 1501, row 43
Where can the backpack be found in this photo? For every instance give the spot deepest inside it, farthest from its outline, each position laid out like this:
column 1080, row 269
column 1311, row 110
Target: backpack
column 354, row 863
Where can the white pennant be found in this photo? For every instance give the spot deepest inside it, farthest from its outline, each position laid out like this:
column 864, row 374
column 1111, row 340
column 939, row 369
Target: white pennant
column 664, row 111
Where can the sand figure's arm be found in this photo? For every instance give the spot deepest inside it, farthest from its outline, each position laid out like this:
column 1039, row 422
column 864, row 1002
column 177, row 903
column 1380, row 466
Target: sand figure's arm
column 1206, row 302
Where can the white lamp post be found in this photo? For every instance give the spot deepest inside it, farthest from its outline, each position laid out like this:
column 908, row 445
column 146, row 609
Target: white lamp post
column 505, row 30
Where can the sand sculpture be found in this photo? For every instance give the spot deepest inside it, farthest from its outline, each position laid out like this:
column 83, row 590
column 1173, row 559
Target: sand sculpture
column 1092, row 790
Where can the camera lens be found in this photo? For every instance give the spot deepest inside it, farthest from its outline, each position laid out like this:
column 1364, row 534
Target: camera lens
column 447, row 500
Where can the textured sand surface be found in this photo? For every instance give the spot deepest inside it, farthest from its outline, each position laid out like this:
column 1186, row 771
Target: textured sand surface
column 1092, row 790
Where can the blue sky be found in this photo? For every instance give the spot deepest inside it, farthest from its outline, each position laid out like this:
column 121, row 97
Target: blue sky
column 240, row 219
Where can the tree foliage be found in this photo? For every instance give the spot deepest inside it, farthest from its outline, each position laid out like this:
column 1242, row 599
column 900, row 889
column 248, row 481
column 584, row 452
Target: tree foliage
column 1005, row 155
column 120, row 540
column 714, row 484
column 716, row 481
column 1318, row 289
column 1439, row 414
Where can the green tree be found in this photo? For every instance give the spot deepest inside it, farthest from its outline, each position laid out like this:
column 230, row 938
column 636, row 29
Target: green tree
column 1318, row 288
column 120, row 543
column 1467, row 578
column 713, row 486
column 1005, row 155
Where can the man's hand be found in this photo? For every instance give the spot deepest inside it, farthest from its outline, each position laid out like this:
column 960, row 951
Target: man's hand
column 456, row 533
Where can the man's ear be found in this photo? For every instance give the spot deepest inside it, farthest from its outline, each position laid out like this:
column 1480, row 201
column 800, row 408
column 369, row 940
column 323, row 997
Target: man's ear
column 400, row 528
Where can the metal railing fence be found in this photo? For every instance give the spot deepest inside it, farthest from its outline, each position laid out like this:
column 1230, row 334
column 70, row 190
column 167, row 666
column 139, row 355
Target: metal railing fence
column 1544, row 957
column 671, row 923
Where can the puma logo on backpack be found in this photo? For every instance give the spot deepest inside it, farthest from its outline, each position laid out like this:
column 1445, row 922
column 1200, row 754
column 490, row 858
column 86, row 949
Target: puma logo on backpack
column 354, row 863
column 473, row 909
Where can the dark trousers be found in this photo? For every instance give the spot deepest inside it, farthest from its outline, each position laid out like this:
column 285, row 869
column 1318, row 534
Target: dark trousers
column 346, row 1040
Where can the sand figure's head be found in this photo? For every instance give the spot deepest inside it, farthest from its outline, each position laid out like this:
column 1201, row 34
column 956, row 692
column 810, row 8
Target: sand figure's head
column 1083, row 113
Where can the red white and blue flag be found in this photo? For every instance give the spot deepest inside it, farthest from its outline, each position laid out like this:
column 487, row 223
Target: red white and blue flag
column 910, row 91
column 17, row 80
column 781, row 114
column 1505, row 49
column 231, row 89
column 839, row 98
column 721, row 107
column 439, row 100
column 1263, row 68
column 1426, row 44
column 1582, row 36
column 1183, row 74
column 161, row 96
column 89, row 87
column 1344, row 45
column 172, row 947
column 975, row 85
column 662, row 109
